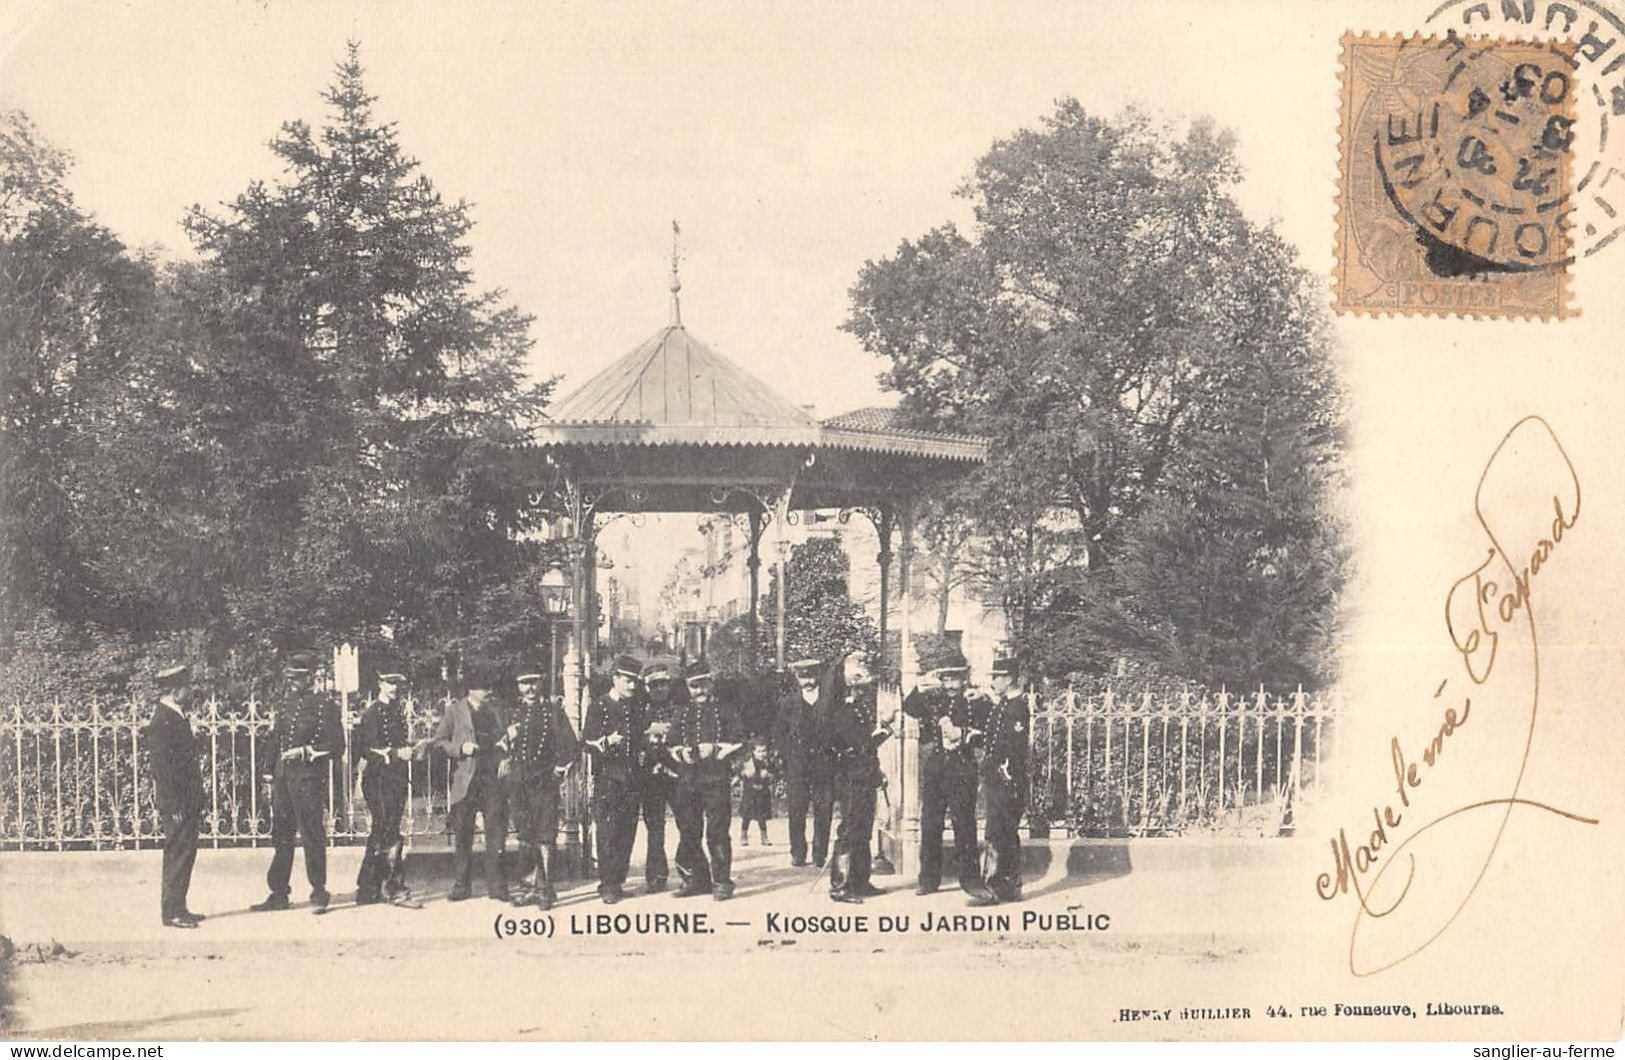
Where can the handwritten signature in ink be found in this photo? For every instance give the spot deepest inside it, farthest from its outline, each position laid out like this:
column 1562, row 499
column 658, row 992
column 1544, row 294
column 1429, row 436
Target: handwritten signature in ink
column 1481, row 608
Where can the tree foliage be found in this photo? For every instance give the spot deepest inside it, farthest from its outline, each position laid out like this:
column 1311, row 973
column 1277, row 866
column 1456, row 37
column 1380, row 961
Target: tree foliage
column 1153, row 373
column 357, row 392
column 821, row 621
column 77, row 314
column 307, row 434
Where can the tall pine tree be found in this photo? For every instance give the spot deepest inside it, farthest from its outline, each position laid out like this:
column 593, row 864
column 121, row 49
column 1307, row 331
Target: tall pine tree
column 360, row 398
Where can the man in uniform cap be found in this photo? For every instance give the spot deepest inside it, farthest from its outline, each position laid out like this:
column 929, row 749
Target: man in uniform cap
column 613, row 734
column 809, row 766
column 384, row 752
column 705, row 738
column 855, row 732
column 658, row 778
column 180, row 794
column 1004, row 782
column 949, row 730
column 541, row 748
column 306, row 737
column 471, row 733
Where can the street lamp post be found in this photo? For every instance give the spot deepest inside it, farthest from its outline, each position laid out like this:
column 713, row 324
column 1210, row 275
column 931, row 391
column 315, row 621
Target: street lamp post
column 555, row 589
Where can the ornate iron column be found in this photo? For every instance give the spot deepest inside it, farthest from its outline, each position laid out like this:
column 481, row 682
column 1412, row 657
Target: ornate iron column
column 906, row 797
column 781, row 549
column 753, row 563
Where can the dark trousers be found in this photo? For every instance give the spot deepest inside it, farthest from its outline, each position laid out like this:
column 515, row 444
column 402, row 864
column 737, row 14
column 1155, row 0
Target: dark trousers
column 658, row 792
column 1006, row 802
column 947, row 787
column 615, row 801
column 703, row 806
column 533, row 801
column 810, row 789
column 383, row 866
column 484, row 798
column 855, row 794
column 298, row 814
column 180, row 853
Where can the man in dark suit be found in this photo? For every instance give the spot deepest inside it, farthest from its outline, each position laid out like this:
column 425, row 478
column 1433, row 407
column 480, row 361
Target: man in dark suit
column 306, row 737
column 384, row 751
column 809, row 765
column 472, row 733
column 179, row 790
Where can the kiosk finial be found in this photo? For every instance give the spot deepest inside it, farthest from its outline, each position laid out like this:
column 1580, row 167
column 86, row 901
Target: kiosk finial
column 676, row 284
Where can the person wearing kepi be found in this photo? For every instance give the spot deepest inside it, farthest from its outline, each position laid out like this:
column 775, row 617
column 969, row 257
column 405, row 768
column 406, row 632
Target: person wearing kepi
column 855, row 732
column 613, row 734
column 950, row 730
column 808, row 765
column 306, row 737
column 384, row 752
column 1004, row 783
column 657, row 776
column 179, row 790
column 704, row 741
column 541, row 749
column 471, row 733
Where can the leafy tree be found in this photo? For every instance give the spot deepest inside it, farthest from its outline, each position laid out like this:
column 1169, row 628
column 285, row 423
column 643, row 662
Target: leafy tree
column 76, row 311
column 1096, row 326
column 1233, row 571
column 821, row 621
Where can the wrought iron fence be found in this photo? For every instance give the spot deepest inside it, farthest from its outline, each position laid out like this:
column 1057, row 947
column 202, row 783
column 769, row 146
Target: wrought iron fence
column 1135, row 765
column 77, row 776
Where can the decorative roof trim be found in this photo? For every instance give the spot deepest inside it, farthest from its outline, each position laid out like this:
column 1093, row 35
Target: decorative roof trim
column 899, row 443
column 911, row 443
column 623, row 433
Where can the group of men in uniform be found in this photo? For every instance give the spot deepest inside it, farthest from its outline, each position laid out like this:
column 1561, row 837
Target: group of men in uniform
column 829, row 736
column 652, row 748
column 655, row 741
column 954, row 727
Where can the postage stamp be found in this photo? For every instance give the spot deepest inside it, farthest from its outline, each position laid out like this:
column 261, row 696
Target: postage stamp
column 1454, row 183
column 1597, row 28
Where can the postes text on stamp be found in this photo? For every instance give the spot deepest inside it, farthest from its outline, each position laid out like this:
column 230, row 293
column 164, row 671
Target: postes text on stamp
column 1454, row 177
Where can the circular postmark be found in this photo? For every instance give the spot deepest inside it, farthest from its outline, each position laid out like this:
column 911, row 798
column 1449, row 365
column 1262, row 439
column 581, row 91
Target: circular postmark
column 1592, row 32
column 1471, row 145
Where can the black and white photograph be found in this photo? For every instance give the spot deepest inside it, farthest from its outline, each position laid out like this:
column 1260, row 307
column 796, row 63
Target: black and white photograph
column 832, row 522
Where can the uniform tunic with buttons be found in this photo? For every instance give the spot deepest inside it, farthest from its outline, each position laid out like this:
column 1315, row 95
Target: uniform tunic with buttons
column 947, row 782
column 857, row 778
column 702, row 802
column 383, row 785
column 542, row 744
column 1004, row 788
column 310, row 723
column 616, row 791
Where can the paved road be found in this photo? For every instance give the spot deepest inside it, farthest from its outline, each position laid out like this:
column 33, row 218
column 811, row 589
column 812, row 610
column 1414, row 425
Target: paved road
column 761, row 965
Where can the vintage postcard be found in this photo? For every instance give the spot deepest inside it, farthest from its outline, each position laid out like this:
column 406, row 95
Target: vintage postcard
column 831, row 522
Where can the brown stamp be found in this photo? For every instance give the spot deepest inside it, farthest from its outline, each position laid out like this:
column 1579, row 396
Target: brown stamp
column 1454, row 182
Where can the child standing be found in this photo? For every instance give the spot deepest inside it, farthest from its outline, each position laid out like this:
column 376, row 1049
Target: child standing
column 756, row 794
